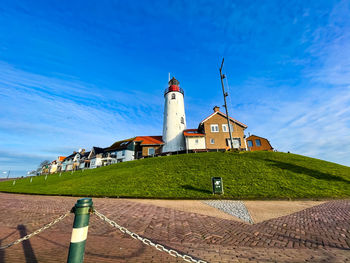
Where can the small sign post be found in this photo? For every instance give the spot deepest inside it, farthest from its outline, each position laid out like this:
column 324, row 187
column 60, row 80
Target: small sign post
column 217, row 185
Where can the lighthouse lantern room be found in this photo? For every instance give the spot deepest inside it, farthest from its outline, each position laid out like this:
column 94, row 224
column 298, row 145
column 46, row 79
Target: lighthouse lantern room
column 174, row 118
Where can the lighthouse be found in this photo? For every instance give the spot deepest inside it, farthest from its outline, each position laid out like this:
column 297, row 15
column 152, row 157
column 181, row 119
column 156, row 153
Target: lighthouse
column 174, row 118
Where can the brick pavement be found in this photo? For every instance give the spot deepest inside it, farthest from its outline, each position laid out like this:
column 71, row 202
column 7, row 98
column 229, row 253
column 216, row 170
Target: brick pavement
column 316, row 234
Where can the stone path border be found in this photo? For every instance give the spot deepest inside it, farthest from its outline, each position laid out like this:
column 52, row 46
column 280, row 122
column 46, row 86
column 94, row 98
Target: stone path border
column 234, row 208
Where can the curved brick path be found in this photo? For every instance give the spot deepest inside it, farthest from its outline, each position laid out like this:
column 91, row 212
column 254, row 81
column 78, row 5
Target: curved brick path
column 317, row 234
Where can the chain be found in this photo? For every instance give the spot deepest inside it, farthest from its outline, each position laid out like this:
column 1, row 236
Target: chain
column 37, row 231
column 148, row 242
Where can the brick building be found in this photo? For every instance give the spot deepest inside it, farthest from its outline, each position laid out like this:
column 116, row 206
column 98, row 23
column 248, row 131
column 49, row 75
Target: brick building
column 213, row 133
column 217, row 132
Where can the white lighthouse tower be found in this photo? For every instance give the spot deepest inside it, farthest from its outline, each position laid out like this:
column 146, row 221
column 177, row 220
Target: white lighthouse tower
column 174, row 118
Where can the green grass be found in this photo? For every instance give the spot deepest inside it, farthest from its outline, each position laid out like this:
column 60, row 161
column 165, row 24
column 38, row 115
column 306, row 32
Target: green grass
column 246, row 175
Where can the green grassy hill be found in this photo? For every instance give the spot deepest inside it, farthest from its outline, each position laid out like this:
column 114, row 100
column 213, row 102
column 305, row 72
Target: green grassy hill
column 246, row 175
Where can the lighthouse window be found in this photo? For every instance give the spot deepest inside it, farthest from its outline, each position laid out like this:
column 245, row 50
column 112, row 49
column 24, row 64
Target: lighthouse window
column 182, row 120
column 173, row 96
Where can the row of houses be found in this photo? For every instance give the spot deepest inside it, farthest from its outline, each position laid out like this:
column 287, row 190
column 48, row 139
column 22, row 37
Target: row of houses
column 212, row 134
column 120, row 151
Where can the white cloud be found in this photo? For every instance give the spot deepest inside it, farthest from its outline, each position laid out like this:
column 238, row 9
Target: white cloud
column 41, row 113
column 315, row 125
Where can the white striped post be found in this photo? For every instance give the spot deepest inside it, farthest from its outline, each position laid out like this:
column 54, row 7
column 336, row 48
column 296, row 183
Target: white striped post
column 82, row 211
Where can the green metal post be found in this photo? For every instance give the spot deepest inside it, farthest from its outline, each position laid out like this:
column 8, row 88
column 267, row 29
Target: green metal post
column 82, row 211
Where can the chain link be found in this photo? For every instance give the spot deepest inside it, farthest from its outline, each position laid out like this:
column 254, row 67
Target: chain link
column 148, row 242
column 37, row 231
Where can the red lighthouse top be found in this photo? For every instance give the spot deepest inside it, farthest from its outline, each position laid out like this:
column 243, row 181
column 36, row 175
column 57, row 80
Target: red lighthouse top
column 173, row 86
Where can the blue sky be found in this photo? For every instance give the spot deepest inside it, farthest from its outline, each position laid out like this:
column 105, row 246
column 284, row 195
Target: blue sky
column 77, row 74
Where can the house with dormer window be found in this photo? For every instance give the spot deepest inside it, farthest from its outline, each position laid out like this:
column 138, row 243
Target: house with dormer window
column 120, row 151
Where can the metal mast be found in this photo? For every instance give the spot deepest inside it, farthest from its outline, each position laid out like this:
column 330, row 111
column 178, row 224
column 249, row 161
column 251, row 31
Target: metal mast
column 222, row 76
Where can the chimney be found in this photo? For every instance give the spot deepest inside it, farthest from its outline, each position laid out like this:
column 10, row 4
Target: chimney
column 216, row 108
column 82, row 151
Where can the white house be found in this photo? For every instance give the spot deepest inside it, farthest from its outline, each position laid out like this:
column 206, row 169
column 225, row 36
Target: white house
column 194, row 140
column 95, row 157
column 56, row 165
column 120, row 151
column 67, row 164
column 84, row 162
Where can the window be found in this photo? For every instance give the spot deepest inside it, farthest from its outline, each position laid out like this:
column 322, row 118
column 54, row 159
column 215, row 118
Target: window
column 173, row 96
column 214, row 128
column 182, row 120
column 225, row 127
column 236, row 142
column 196, row 141
column 123, row 152
column 212, row 141
column 250, row 143
column 151, row 151
column 231, row 127
column 258, row 142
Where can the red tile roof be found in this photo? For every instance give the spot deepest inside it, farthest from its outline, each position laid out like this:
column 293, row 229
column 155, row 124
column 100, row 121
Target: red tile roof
column 149, row 140
column 61, row 158
column 193, row 132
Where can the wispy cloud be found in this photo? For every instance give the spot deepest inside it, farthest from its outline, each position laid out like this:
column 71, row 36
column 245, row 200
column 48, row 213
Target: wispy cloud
column 315, row 120
column 41, row 113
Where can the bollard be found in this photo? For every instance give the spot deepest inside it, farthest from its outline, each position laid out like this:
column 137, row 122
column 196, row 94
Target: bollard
column 82, row 210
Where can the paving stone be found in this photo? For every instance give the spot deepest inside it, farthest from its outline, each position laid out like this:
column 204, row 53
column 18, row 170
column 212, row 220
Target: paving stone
column 210, row 238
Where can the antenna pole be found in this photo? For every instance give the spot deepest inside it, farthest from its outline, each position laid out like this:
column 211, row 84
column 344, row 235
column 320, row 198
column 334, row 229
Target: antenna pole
column 169, row 77
column 222, row 76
